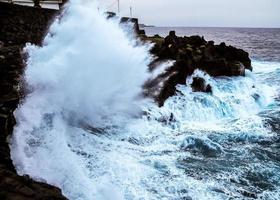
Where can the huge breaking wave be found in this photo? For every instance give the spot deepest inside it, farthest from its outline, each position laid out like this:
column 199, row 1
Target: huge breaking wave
column 85, row 128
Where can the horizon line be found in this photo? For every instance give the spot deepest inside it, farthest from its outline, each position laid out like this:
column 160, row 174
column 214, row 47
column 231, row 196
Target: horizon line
column 180, row 26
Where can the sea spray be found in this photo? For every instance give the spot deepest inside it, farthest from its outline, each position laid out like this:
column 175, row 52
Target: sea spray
column 80, row 128
column 86, row 75
column 88, row 65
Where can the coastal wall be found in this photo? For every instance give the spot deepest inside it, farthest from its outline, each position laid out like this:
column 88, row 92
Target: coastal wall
column 18, row 25
column 22, row 24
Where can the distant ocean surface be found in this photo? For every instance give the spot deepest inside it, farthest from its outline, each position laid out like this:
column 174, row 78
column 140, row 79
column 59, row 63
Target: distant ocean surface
column 80, row 129
column 263, row 44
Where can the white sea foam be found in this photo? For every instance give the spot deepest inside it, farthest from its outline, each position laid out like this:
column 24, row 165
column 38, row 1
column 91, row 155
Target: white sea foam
column 87, row 74
column 77, row 128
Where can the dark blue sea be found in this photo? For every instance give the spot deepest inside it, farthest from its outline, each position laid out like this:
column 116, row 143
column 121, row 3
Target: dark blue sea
column 82, row 126
column 250, row 144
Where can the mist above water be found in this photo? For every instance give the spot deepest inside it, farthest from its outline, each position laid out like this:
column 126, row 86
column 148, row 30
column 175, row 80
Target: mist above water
column 87, row 66
column 81, row 127
column 87, row 75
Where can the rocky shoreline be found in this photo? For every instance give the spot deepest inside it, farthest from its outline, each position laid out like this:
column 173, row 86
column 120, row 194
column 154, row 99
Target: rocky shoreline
column 18, row 25
column 21, row 25
column 189, row 54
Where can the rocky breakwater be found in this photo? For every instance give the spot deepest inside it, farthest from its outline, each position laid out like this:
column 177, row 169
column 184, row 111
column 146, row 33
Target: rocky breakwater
column 18, row 25
column 189, row 54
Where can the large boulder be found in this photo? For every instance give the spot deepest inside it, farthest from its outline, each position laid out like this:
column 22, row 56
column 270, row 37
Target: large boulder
column 195, row 40
column 171, row 39
column 199, row 85
column 222, row 60
column 189, row 54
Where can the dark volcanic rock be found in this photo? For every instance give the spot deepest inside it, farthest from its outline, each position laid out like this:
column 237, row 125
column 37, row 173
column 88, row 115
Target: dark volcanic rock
column 11, row 66
column 22, row 24
column 189, row 54
column 199, row 85
column 14, row 187
column 18, row 25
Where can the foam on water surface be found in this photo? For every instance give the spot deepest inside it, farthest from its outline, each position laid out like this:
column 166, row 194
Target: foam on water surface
column 81, row 129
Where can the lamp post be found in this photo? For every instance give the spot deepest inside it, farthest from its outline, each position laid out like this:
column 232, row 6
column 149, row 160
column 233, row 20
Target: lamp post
column 37, row 3
column 118, row 6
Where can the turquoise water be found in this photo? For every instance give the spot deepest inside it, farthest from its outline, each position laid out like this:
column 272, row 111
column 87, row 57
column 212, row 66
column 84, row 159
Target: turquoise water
column 84, row 129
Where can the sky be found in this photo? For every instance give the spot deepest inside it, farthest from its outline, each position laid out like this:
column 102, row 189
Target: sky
column 201, row 13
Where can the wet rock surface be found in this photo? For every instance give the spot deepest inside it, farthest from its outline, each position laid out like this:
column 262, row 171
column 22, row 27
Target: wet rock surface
column 189, row 54
column 200, row 85
column 18, row 25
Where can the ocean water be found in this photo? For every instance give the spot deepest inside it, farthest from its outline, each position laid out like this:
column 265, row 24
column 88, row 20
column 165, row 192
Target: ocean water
column 85, row 128
column 263, row 44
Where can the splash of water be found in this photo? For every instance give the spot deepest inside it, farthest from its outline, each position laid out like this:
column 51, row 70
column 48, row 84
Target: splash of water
column 77, row 128
column 87, row 75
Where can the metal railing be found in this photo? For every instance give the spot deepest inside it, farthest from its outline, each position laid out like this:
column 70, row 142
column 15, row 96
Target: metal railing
column 54, row 4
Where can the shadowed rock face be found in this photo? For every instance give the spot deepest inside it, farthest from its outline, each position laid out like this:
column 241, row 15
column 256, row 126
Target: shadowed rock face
column 199, row 85
column 189, row 54
column 22, row 24
column 18, row 25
